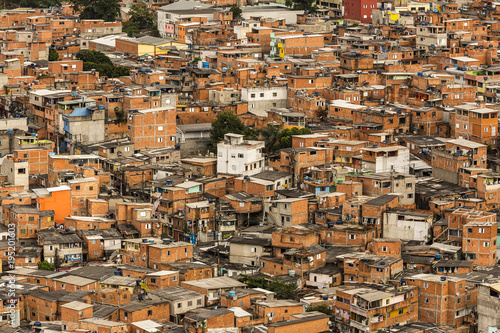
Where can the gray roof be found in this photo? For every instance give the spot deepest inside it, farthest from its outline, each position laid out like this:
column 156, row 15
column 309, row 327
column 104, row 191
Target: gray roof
column 203, row 314
column 176, row 294
column 381, row 200
column 219, row 282
column 56, row 237
column 184, row 4
column 271, row 175
column 49, row 296
column 94, row 272
column 195, row 127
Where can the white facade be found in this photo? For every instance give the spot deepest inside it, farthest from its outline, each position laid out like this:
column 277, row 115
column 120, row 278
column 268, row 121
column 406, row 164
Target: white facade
column 17, row 172
column 265, row 98
column 236, row 156
column 387, row 159
column 406, row 226
column 431, row 36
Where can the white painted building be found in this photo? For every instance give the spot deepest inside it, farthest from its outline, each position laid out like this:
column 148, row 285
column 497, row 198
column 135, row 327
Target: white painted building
column 265, row 98
column 236, row 156
column 386, row 159
column 406, row 226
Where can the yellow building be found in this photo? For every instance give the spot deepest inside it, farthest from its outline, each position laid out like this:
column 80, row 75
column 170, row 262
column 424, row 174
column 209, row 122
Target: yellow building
column 147, row 45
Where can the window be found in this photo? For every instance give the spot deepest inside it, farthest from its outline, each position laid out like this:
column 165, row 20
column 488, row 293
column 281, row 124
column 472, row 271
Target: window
column 160, row 128
column 384, row 248
column 481, row 230
column 174, row 278
column 77, row 187
column 486, row 244
column 275, row 94
column 153, row 280
column 426, row 285
column 91, row 188
column 253, row 249
column 426, row 299
column 351, row 236
column 96, row 253
column 150, row 312
column 148, row 226
column 160, row 139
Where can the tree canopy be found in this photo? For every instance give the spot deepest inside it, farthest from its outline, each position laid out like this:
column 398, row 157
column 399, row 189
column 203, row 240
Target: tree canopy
column 226, row 122
column 47, row 266
column 282, row 290
column 140, row 19
column 106, row 10
column 320, row 308
column 101, row 63
column 53, row 55
column 308, row 5
column 237, row 12
column 39, row 3
column 284, row 138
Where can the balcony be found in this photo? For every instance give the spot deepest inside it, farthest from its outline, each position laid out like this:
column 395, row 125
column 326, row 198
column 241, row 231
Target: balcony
column 360, row 326
column 360, row 311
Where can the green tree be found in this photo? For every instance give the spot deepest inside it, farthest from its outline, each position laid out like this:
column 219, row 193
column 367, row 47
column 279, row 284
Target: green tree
column 226, row 122
column 308, row 5
column 39, row 3
column 130, row 28
column 94, row 60
column 141, row 16
column 53, row 55
column 93, row 56
column 120, row 116
column 289, row 3
column 282, row 290
column 320, row 308
column 237, row 12
column 282, row 139
column 106, row 10
column 269, row 135
column 251, row 133
column 46, row 266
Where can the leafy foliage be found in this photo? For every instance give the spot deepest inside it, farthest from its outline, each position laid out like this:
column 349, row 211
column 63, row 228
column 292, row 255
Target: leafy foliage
column 120, row 116
column 130, row 28
column 269, row 135
column 46, row 266
column 226, row 122
column 53, row 55
column 308, row 5
column 284, row 138
column 39, row 3
column 106, row 10
column 320, row 308
column 237, row 12
column 281, row 289
column 101, row 63
column 140, row 19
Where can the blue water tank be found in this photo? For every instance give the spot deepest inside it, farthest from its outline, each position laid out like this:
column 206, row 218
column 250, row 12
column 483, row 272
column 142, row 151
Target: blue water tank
column 118, row 273
column 232, row 293
column 206, row 65
column 420, row 74
column 437, row 256
column 37, row 324
column 325, row 297
column 144, row 240
column 443, row 278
